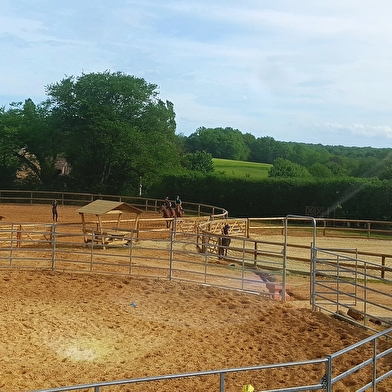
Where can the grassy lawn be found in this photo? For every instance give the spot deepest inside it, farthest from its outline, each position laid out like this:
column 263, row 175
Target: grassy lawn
column 241, row 169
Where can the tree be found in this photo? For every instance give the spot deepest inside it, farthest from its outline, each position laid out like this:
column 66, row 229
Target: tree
column 227, row 143
column 41, row 145
column 267, row 150
column 115, row 130
column 318, row 170
column 285, row 169
column 386, row 173
column 9, row 147
column 200, row 161
column 30, row 144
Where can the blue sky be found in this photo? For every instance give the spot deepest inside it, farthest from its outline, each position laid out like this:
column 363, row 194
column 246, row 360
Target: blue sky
column 303, row 71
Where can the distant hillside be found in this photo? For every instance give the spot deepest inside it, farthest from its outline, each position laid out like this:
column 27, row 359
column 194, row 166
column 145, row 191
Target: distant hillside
column 241, row 169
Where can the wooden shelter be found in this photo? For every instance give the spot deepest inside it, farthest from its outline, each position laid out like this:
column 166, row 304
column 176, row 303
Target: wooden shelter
column 106, row 231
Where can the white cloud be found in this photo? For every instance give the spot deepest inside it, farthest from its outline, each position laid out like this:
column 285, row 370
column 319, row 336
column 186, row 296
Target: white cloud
column 268, row 68
column 368, row 130
column 365, row 135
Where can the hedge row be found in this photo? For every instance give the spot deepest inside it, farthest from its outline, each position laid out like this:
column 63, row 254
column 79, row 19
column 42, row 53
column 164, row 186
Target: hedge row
column 351, row 198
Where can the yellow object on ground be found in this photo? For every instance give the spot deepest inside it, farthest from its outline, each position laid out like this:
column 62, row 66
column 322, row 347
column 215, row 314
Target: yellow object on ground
column 247, row 388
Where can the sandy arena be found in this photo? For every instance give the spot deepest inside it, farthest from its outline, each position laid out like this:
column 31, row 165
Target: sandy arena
column 59, row 329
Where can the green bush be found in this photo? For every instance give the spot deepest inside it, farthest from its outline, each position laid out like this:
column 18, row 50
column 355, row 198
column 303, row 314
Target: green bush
column 351, row 198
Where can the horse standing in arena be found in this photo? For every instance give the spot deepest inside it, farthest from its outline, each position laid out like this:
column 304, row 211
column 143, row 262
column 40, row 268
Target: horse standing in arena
column 224, row 242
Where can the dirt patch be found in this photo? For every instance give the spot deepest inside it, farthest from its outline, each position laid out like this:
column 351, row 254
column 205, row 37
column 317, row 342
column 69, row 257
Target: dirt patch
column 63, row 329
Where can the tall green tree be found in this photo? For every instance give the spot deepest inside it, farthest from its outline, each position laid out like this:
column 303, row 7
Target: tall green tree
column 40, row 145
column 267, row 149
column 115, row 130
column 200, row 161
column 29, row 143
column 227, row 143
column 386, row 173
column 284, row 168
column 9, row 147
column 318, row 170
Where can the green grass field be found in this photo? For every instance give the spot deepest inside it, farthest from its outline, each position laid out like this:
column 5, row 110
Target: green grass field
column 241, row 169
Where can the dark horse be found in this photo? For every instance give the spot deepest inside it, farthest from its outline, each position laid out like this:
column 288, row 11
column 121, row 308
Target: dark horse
column 224, row 242
column 223, row 245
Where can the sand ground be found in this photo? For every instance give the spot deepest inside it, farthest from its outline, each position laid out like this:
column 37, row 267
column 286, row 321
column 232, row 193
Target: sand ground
column 61, row 329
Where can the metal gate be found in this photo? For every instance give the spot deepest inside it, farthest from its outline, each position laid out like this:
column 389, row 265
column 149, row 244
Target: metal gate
column 350, row 289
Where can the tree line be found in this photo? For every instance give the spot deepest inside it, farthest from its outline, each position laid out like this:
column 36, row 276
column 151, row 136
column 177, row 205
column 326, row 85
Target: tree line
column 292, row 159
column 118, row 136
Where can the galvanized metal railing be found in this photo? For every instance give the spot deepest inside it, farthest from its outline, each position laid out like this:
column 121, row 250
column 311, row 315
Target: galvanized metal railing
column 325, row 383
column 54, row 244
column 341, row 284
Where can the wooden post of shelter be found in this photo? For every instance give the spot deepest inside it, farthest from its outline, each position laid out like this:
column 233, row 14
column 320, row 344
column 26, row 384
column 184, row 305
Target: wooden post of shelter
column 100, row 208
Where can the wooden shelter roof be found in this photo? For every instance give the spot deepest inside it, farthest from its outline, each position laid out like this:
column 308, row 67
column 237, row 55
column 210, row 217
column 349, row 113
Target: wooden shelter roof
column 102, row 207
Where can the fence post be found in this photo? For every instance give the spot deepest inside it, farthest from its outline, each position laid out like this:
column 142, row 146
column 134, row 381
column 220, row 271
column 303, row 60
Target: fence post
column 19, row 237
column 312, row 277
column 328, row 374
column 383, row 265
column 374, row 365
column 53, row 238
column 130, row 242
column 137, row 229
column 255, row 255
column 172, row 237
column 12, row 235
column 92, row 248
column 222, row 382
